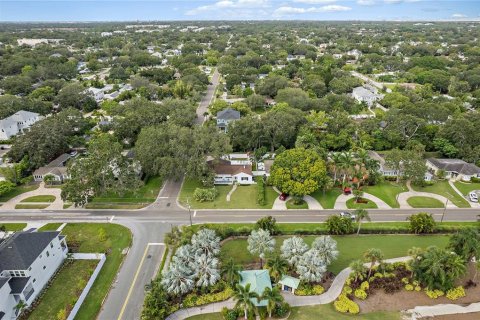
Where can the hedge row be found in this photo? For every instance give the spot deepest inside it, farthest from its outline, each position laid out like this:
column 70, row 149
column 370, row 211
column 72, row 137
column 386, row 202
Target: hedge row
column 261, row 192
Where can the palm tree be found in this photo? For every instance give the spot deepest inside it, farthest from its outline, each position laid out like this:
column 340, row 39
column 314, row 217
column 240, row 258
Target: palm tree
column 466, row 243
column 358, row 269
column 414, row 252
column 373, row 256
column 206, row 271
column 361, row 214
column 230, row 271
column 206, row 242
column 347, row 163
column 277, row 266
column 273, row 297
column 335, row 160
column 244, row 297
column 260, row 242
column 293, row 249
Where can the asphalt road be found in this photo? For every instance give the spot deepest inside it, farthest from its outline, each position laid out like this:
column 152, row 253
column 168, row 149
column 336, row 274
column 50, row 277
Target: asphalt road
column 207, row 98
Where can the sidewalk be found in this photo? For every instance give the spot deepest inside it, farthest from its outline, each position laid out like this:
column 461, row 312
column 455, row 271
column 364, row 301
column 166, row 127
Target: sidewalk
column 442, row 309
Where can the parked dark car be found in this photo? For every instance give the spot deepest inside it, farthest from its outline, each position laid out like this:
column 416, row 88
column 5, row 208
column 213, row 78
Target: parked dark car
column 283, row 196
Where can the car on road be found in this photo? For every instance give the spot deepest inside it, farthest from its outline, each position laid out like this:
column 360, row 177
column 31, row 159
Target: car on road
column 345, row 214
column 283, row 196
column 473, row 196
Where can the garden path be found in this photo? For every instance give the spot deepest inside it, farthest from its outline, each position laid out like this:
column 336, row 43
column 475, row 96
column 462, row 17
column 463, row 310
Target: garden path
column 442, row 309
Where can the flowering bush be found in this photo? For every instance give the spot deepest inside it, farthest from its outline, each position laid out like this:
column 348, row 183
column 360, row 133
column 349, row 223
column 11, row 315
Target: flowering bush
column 456, row 293
column 345, row 305
column 365, row 285
column 309, row 290
column 408, row 287
column 347, row 290
column 360, row 294
column 434, row 294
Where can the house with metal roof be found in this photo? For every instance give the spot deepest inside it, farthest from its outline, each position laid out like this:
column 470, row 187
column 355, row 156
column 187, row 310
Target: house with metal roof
column 289, row 284
column 225, row 117
column 258, row 280
column 455, row 169
column 17, row 123
column 27, row 262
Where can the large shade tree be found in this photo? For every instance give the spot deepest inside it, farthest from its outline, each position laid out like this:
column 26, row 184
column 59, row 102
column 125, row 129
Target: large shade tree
column 298, row 172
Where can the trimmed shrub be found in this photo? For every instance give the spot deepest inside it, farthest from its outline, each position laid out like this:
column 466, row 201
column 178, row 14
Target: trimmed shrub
column 456, row 293
column 339, row 225
column 193, row 299
column 229, row 314
column 434, row 294
column 205, row 195
column 345, row 305
column 409, row 287
column 347, row 290
column 421, row 223
column 309, row 290
column 360, row 294
column 365, row 285
column 261, row 192
column 282, row 309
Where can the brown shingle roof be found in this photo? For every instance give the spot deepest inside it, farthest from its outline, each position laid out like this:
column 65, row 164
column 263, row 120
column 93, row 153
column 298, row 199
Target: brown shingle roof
column 225, row 167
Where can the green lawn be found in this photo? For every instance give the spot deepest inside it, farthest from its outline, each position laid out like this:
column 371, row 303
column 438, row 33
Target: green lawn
column 328, row 199
column 350, row 247
column 387, row 191
column 67, row 286
column 87, row 236
column 444, row 189
column 351, row 204
column 291, row 205
column 465, row 187
column 425, row 202
column 50, row 226
column 31, row 206
column 42, row 198
column 13, row 226
column 16, row 191
column 146, row 194
column 323, row 312
column 245, row 197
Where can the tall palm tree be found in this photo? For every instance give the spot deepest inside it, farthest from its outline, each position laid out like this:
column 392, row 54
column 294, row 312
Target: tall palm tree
column 358, row 269
column 277, row 266
column 360, row 215
column 347, row 164
column 373, row 256
column 260, row 242
column 243, row 297
column 335, row 160
column 273, row 297
column 230, row 271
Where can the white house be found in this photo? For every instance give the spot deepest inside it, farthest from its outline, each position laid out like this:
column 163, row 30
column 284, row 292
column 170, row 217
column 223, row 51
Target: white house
column 97, row 94
column 27, row 262
column 57, row 168
column 384, row 169
column 455, row 169
column 225, row 117
column 228, row 173
column 369, row 96
column 18, row 122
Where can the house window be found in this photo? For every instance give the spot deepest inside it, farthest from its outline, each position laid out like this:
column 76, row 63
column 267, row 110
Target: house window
column 22, row 273
column 244, row 178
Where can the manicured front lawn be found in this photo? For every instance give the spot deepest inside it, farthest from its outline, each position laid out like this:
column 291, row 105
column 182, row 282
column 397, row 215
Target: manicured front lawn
column 291, row 205
column 425, row 202
column 17, row 191
column 42, row 198
column 327, row 312
column 146, row 194
column 328, row 199
column 245, row 197
column 65, row 289
column 387, row 191
column 350, row 247
column 88, row 238
column 466, row 188
column 13, row 226
column 352, row 204
column 323, row 312
column 444, row 189
column 31, row 206
column 50, row 226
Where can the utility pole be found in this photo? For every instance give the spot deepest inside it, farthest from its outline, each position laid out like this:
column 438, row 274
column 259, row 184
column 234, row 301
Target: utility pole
column 444, row 209
column 189, row 211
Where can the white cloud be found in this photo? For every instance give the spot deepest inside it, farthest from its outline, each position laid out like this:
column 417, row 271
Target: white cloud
column 229, row 4
column 400, row 1
column 366, row 2
column 285, row 11
column 458, row 16
column 315, row 1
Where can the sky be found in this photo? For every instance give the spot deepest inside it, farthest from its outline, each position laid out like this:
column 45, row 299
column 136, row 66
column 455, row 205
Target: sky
column 167, row 10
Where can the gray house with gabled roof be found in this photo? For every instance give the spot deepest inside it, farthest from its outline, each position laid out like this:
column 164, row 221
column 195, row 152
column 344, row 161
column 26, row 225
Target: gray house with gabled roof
column 27, row 262
column 225, row 117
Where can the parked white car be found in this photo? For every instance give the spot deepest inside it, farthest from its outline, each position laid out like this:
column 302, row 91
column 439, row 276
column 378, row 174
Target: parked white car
column 473, row 196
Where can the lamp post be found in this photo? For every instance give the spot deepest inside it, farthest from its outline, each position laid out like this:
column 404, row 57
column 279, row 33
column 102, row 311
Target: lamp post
column 444, row 209
column 189, row 211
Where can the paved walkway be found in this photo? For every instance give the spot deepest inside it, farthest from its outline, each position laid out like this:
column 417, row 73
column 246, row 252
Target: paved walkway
column 313, row 203
column 403, row 197
column 40, row 191
column 341, row 202
column 229, row 195
column 442, row 309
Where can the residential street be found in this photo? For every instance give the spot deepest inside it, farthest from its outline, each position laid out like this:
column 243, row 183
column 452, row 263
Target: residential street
column 207, row 98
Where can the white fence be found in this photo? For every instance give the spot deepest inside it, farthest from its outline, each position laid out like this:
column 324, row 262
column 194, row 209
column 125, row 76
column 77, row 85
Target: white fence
column 87, row 256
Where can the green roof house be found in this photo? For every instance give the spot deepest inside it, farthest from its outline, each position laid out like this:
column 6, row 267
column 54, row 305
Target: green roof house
column 258, row 280
column 289, row 284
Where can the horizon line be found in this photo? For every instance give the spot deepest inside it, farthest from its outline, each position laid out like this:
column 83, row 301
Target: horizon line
column 244, row 20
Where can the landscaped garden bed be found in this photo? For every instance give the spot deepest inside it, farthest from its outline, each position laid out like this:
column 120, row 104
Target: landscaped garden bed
column 361, row 203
